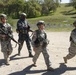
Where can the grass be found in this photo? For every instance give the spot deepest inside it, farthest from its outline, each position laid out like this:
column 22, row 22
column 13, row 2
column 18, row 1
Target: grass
column 61, row 20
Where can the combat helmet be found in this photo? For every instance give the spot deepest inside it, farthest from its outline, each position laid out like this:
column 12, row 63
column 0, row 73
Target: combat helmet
column 23, row 14
column 3, row 16
column 40, row 23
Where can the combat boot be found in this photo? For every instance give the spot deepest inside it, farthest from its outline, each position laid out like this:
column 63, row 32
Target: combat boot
column 50, row 69
column 7, row 62
column 30, row 54
column 34, row 64
column 19, row 52
column 65, row 59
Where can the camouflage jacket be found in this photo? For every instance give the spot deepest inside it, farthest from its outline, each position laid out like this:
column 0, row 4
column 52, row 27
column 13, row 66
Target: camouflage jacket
column 73, row 36
column 6, row 28
column 39, row 38
column 22, row 27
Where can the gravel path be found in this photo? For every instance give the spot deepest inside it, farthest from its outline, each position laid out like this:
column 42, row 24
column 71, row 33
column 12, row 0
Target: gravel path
column 58, row 48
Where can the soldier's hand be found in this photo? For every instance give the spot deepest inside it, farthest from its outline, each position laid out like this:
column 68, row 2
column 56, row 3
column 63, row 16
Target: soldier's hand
column 17, row 31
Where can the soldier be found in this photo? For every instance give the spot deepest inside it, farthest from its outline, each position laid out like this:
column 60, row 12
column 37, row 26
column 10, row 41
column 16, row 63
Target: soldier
column 39, row 43
column 6, row 46
column 72, row 48
column 23, row 29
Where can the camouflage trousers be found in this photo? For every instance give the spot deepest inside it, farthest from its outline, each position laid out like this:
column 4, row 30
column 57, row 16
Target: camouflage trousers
column 72, row 51
column 6, row 48
column 45, row 54
column 27, row 44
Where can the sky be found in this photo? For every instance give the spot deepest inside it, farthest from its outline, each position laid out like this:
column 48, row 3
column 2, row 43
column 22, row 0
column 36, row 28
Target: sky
column 62, row 1
column 65, row 1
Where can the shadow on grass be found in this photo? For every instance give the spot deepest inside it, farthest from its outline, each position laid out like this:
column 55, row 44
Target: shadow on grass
column 70, row 12
column 73, row 17
column 58, row 71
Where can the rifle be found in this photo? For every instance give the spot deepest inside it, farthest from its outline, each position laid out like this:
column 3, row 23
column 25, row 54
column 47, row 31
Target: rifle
column 9, row 36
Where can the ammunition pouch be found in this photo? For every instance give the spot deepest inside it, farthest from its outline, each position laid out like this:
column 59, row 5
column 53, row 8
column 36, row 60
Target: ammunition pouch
column 37, row 43
column 23, row 30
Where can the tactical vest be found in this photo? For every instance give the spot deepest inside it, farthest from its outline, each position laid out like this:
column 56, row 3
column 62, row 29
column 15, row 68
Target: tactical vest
column 6, row 29
column 41, row 36
column 23, row 27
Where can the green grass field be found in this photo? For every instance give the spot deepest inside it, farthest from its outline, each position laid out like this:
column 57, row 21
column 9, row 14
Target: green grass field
column 61, row 20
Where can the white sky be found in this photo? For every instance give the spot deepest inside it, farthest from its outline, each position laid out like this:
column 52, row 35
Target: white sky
column 65, row 1
column 62, row 1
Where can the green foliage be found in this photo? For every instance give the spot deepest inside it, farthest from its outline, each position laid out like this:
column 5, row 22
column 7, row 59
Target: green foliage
column 73, row 3
column 49, row 5
column 1, row 6
column 33, row 8
column 14, row 7
column 58, row 21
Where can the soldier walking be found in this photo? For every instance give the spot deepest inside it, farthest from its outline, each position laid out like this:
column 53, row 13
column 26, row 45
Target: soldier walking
column 39, row 43
column 23, row 29
column 72, row 48
column 6, row 46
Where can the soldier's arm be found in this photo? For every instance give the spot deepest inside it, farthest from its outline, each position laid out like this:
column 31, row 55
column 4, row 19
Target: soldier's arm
column 34, row 38
column 29, row 28
column 18, row 26
column 73, row 35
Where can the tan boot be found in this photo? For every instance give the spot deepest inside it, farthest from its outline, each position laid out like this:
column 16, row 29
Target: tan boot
column 30, row 54
column 18, row 52
column 7, row 62
column 65, row 59
column 34, row 64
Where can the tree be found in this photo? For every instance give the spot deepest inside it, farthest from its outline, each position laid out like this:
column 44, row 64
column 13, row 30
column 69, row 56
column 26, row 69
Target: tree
column 14, row 7
column 32, row 8
column 73, row 3
column 49, row 5
column 1, row 6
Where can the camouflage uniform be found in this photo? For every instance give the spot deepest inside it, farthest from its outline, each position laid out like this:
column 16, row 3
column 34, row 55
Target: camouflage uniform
column 72, row 48
column 37, row 41
column 6, row 46
column 23, row 28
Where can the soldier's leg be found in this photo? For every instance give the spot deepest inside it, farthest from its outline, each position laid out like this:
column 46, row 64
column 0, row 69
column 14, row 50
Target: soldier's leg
column 20, row 46
column 37, row 53
column 29, row 47
column 10, row 49
column 72, row 53
column 46, row 58
column 4, row 51
column 6, row 57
